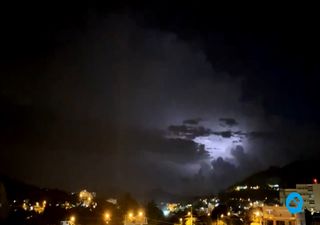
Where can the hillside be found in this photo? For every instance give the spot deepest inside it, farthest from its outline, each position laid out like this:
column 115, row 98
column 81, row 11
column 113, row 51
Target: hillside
column 302, row 171
column 17, row 190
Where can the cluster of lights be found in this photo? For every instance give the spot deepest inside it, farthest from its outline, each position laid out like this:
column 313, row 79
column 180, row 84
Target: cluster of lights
column 208, row 205
column 138, row 218
column 67, row 205
column 275, row 187
column 37, row 207
column 254, row 187
column 131, row 215
column 72, row 220
column 107, row 217
column 86, row 199
column 245, row 187
column 239, row 188
column 172, row 207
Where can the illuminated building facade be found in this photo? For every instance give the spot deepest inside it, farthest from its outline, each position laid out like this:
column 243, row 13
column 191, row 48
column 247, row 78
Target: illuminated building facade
column 309, row 192
column 135, row 219
column 279, row 215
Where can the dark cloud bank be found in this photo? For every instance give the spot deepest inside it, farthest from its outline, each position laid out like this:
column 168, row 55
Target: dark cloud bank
column 100, row 111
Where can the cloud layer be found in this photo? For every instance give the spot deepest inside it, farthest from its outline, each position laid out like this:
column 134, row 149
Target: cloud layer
column 129, row 108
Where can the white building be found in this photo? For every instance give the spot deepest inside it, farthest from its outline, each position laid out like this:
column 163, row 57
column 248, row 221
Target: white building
column 310, row 194
column 66, row 222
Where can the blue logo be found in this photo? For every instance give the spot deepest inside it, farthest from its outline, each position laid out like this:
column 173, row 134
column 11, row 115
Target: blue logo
column 294, row 203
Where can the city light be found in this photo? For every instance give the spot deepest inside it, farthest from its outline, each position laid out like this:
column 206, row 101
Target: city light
column 107, row 217
column 86, row 198
column 138, row 216
column 315, row 180
column 166, row 213
column 257, row 213
column 24, row 206
column 73, row 219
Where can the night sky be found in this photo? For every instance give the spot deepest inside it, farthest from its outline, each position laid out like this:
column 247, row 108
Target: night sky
column 187, row 99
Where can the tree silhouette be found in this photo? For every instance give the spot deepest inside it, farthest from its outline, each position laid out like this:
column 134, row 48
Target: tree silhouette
column 154, row 214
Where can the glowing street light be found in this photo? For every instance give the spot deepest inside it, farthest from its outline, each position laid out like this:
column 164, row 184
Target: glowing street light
column 107, row 217
column 130, row 215
column 72, row 219
column 190, row 214
column 140, row 213
column 258, row 214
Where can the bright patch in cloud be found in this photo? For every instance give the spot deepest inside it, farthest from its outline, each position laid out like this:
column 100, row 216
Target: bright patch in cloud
column 218, row 146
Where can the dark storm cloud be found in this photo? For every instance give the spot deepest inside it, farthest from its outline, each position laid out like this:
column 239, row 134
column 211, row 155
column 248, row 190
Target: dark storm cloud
column 191, row 132
column 221, row 168
column 280, row 67
column 253, row 151
column 225, row 134
column 94, row 112
column 245, row 161
column 95, row 108
column 228, row 122
column 153, row 142
column 192, row 121
column 262, row 134
column 188, row 132
column 221, row 173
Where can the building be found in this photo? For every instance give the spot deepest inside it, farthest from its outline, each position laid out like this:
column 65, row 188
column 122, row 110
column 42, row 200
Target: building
column 279, row 215
column 309, row 192
column 65, row 222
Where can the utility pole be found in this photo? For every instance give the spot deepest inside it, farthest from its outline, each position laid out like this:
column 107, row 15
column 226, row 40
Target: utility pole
column 191, row 216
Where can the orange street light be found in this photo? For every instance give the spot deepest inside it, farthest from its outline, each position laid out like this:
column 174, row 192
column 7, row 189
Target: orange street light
column 72, row 219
